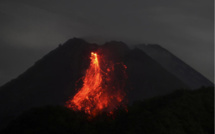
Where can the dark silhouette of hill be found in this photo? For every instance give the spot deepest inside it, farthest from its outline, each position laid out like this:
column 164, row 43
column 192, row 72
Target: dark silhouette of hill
column 52, row 79
column 176, row 66
column 147, row 78
column 182, row 112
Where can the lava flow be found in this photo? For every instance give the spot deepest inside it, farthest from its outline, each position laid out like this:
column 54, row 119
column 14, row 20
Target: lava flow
column 102, row 89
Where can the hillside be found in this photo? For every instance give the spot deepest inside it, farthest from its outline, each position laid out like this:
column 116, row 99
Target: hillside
column 182, row 112
column 175, row 66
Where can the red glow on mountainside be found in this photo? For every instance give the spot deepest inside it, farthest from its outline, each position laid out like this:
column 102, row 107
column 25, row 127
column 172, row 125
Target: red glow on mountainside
column 102, row 89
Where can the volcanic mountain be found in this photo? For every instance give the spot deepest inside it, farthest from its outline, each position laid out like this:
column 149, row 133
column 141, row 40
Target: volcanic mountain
column 175, row 66
column 52, row 80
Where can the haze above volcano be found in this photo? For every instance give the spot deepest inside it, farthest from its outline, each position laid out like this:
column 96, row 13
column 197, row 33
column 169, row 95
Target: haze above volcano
column 30, row 29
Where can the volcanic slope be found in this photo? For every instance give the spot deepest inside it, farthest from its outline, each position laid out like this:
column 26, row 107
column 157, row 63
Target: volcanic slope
column 52, row 80
column 175, row 66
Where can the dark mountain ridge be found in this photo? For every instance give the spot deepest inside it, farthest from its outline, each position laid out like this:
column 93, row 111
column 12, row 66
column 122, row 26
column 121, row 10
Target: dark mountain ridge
column 52, row 80
column 175, row 66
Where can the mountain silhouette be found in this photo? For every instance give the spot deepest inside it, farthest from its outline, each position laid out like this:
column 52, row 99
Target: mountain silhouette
column 176, row 66
column 52, row 80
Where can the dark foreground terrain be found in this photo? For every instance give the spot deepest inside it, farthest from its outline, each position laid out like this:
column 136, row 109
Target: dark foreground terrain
column 182, row 112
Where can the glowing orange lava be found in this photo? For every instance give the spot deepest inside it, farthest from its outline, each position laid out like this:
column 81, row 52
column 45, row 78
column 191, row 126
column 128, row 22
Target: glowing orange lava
column 102, row 88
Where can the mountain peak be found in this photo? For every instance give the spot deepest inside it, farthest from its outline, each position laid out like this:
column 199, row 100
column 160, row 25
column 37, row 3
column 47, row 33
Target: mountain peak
column 74, row 41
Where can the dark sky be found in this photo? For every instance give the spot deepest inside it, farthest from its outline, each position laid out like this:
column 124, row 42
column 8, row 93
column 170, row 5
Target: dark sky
column 31, row 28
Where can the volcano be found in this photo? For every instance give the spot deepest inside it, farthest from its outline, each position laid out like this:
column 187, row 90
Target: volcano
column 55, row 79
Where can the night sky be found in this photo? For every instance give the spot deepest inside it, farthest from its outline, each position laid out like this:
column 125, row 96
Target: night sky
column 31, row 28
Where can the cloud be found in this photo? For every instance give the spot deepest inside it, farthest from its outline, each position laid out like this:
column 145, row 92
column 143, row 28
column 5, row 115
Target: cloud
column 182, row 26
